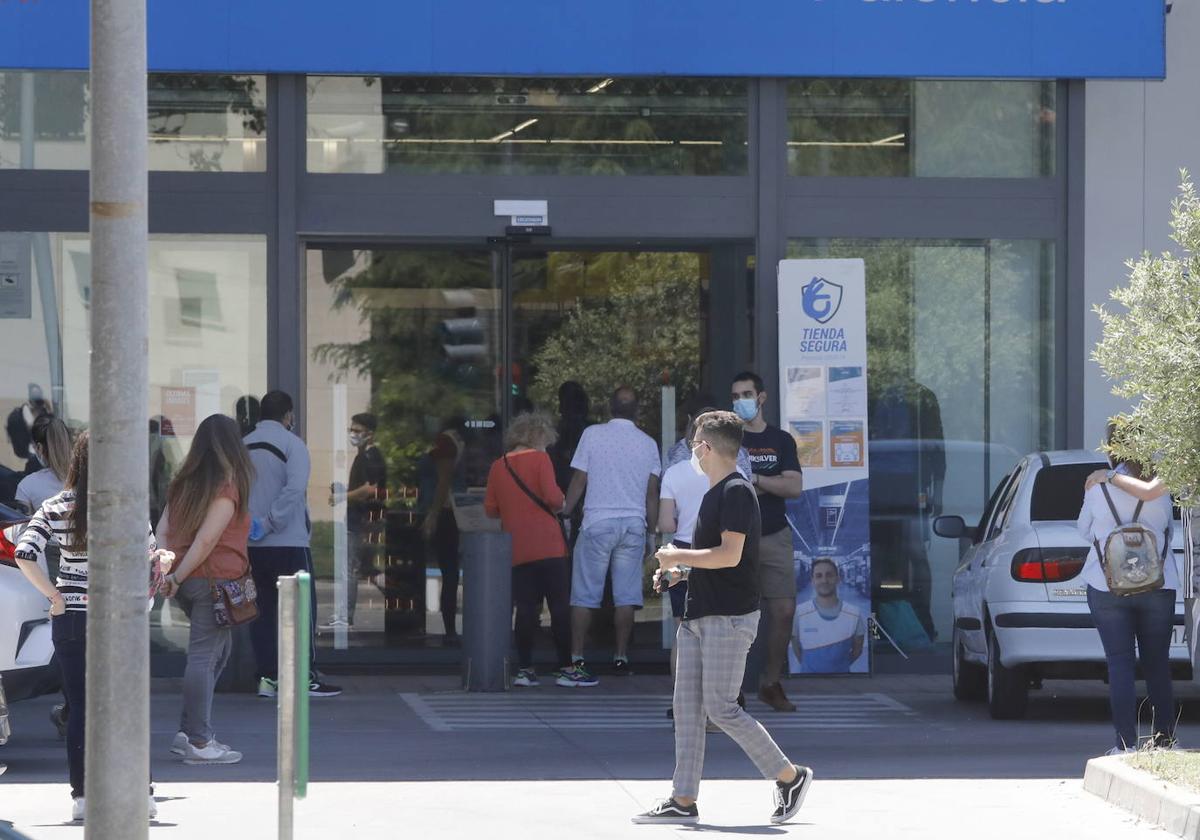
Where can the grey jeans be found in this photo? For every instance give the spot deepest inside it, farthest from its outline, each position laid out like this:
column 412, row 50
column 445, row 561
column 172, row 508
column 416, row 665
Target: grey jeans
column 708, row 674
column 209, row 647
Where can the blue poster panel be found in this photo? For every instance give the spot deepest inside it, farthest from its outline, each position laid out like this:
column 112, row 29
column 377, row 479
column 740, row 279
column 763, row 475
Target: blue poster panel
column 823, row 399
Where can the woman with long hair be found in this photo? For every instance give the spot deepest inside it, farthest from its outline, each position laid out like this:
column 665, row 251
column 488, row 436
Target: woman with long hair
column 52, row 448
column 206, row 524
column 1135, row 630
column 522, row 493
column 63, row 521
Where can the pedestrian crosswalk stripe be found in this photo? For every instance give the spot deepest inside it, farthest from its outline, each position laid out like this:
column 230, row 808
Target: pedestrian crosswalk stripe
column 450, row 712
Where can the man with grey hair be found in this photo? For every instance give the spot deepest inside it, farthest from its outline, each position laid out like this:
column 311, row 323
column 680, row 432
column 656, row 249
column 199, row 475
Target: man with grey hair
column 618, row 465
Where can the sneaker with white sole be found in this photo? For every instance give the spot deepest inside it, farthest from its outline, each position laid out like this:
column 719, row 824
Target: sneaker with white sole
column 211, row 753
column 317, row 688
column 526, row 677
column 268, row 687
column 669, row 812
column 77, row 809
column 789, row 796
column 575, row 676
column 179, row 744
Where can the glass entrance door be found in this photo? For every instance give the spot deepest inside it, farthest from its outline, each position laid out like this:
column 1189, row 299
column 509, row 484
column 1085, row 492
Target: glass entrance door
column 418, row 358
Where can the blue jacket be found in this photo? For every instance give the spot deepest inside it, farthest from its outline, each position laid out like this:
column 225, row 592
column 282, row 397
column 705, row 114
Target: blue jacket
column 278, row 496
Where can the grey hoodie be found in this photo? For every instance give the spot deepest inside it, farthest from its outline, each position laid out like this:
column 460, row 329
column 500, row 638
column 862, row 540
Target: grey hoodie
column 277, row 498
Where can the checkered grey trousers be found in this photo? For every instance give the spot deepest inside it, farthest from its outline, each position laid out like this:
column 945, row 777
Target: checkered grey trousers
column 708, row 674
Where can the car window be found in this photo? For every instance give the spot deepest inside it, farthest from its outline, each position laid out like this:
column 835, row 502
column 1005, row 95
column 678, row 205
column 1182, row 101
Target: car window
column 990, row 508
column 1006, row 502
column 1058, row 491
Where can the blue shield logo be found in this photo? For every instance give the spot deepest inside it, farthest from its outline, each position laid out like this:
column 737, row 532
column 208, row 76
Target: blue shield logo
column 821, row 299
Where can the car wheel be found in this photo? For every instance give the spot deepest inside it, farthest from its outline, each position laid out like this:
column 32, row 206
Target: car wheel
column 1007, row 688
column 970, row 680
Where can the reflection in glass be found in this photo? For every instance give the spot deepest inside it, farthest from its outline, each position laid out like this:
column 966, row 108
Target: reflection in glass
column 410, row 339
column 902, row 127
column 196, row 122
column 513, row 126
column 960, row 347
column 207, row 349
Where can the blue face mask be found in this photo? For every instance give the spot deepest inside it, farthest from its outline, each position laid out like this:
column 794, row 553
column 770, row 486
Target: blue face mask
column 746, row 408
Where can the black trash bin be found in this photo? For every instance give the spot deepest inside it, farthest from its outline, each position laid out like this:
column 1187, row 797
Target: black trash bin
column 487, row 609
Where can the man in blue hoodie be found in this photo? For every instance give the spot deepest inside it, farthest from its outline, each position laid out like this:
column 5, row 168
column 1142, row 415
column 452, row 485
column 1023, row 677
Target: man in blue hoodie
column 280, row 533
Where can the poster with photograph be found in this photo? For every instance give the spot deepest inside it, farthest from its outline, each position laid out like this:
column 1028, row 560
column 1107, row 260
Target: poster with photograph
column 823, row 341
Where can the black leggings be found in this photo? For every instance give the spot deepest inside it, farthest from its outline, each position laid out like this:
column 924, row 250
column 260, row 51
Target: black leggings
column 531, row 583
column 445, row 548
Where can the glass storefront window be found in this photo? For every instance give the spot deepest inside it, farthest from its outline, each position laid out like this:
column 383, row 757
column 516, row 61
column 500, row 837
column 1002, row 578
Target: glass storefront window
column 513, row 126
column 196, row 123
column 413, row 338
column 208, row 348
column 960, row 349
column 902, row 127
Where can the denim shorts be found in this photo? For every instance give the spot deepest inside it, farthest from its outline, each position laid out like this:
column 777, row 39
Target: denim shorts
column 619, row 544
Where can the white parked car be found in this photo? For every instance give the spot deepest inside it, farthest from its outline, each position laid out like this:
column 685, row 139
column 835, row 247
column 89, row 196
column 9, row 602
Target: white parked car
column 1020, row 610
column 26, row 649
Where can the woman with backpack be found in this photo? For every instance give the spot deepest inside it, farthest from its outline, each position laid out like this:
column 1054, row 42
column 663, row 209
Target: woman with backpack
column 523, row 494
column 62, row 521
column 206, row 524
column 1132, row 608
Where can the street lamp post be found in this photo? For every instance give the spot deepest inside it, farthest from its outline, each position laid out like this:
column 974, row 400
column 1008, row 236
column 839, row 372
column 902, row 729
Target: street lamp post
column 118, row 669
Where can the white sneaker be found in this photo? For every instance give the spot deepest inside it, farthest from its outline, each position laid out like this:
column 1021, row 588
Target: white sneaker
column 179, row 745
column 153, row 807
column 77, row 809
column 335, row 624
column 211, row 753
column 1121, row 751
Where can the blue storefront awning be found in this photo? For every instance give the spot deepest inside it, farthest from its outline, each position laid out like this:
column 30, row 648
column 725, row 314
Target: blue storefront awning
column 901, row 38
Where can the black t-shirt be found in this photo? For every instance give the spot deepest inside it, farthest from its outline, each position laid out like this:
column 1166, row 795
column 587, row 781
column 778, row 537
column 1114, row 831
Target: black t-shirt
column 731, row 505
column 772, row 451
column 368, row 468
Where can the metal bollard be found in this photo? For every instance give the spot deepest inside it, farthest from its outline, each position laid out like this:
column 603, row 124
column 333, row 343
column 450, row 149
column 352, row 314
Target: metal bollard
column 487, row 609
column 292, row 727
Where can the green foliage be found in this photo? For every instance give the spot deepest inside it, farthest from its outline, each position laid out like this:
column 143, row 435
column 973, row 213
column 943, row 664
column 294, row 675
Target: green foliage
column 645, row 332
column 1150, row 349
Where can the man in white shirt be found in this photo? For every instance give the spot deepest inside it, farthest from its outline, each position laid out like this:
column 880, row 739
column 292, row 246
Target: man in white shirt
column 828, row 634
column 618, row 465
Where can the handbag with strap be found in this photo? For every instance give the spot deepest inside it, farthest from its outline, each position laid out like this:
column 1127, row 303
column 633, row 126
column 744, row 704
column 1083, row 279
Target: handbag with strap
column 537, row 500
column 234, row 601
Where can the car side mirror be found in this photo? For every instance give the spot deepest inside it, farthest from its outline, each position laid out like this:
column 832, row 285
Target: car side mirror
column 952, row 528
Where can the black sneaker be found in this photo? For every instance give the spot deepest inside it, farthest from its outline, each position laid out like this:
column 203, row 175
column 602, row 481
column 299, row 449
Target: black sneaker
column 621, row 668
column 669, row 812
column 790, row 796
column 319, row 688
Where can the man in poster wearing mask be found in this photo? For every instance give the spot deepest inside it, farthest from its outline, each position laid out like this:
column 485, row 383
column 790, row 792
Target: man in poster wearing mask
column 777, row 478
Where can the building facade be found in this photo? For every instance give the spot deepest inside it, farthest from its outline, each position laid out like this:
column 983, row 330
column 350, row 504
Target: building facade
column 327, row 217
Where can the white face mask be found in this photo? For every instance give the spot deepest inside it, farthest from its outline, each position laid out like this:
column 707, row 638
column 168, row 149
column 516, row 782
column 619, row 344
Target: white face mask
column 696, row 465
column 356, row 440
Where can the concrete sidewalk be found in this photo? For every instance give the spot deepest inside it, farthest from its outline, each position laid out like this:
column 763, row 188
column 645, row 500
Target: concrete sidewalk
column 835, row 810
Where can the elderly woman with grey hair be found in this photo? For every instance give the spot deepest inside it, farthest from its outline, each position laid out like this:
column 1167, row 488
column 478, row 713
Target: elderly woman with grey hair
column 523, row 495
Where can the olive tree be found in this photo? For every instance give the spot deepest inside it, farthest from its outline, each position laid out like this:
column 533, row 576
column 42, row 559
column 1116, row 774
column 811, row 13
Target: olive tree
column 1150, row 349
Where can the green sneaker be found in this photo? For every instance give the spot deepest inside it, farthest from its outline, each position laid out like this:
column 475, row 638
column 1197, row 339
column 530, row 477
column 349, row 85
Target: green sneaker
column 268, row 687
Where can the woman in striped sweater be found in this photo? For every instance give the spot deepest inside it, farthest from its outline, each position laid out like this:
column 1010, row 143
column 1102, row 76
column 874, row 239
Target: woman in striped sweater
column 62, row 521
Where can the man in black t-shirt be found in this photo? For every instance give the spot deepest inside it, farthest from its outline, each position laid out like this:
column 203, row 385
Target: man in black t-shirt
column 719, row 624
column 776, row 478
column 365, row 508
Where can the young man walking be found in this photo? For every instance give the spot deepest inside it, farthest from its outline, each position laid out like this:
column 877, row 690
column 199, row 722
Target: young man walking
column 776, row 479
column 719, row 624
column 279, row 534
